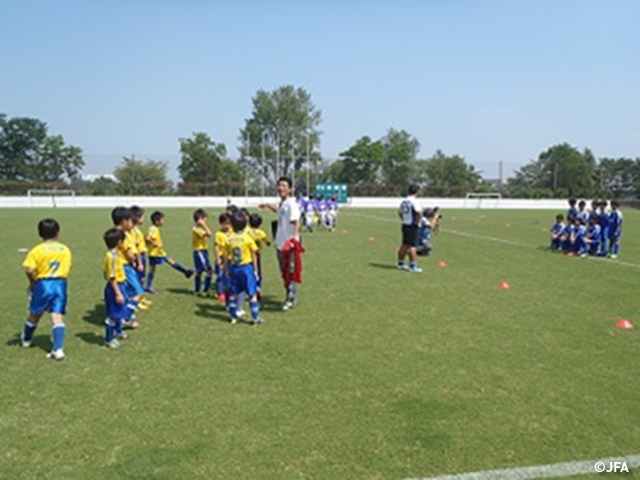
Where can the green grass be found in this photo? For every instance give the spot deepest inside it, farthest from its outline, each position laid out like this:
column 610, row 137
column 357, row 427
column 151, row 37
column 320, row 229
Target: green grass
column 379, row 374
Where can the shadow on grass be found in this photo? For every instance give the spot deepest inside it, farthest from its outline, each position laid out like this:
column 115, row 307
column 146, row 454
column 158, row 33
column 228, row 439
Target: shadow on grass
column 216, row 311
column 43, row 342
column 181, row 291
column 96, row 315
column 91, row 338
column 384, row 266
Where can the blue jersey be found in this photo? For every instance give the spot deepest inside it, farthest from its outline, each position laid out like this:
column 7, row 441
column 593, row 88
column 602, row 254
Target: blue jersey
column 572, row 212
column 557, row 228
column 603, row 219
column 569, row 230
column 615, row 223
column 593, row 233
column 581, row 231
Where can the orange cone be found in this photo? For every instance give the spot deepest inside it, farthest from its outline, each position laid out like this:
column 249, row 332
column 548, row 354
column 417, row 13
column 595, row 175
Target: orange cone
column 504, row 285
column 442, row 264
column 624, row 323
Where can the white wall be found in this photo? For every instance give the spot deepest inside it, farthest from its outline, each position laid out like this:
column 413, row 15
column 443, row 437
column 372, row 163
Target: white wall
column 219, row 202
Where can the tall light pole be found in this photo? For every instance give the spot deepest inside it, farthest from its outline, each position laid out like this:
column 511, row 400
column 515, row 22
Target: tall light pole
column 308, row 166
column 277, row 149
column 246, row 173
column 293, row 169
column 263, row 164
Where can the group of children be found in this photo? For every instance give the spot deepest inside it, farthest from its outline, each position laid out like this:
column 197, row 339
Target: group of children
column 595, row 232
column 318, row 212
column 129, row 251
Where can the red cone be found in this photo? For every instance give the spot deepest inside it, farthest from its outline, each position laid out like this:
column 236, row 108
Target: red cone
column 624, row 323
column 504, row 285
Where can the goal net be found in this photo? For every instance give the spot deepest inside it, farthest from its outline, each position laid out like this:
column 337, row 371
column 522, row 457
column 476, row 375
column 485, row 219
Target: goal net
column 482, row 200
column 51, row 198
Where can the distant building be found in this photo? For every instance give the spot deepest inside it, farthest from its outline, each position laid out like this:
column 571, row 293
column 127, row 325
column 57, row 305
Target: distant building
column 92, row 177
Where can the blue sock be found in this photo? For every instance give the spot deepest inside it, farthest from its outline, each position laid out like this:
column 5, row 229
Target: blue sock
column 198, row 281
column 180, row 268
column 109, row 330
column 401, row 263
column 131, row 309
column 255, row 310
column 58, row 331
column 207, row 283
column 29, row 329
column 150, row 280
column 413, row 265
column 118, row 328
column 233, row 305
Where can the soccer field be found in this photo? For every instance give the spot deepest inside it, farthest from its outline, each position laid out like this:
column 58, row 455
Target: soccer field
column 378, row 374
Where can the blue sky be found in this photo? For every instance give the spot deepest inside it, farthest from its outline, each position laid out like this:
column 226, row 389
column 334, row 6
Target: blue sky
column 491, row 80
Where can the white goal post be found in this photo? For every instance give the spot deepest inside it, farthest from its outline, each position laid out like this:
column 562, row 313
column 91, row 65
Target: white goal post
column 482, row 200
column 51, row 198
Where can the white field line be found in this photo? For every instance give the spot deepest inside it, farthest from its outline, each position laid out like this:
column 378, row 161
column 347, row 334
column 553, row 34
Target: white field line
column 554, row 470
column 498, row 240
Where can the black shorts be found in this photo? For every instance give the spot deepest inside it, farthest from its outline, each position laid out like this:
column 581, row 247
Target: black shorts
column 409, row 235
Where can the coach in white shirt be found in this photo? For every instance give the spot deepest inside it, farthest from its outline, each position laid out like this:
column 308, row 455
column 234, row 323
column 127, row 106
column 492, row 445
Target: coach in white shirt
column 288, row 227
column 409, row 213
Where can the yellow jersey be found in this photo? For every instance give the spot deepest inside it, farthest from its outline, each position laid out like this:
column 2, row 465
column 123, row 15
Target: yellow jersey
column 128, row 245
column 154, row 235
column 239, row 249
column 141, row 245
column 113, row 266
column 220, row 240
column 259, row 236
column 49, row 259
column 199, row 238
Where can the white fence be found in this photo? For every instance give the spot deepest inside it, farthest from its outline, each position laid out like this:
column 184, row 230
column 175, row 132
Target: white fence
column 221, row 202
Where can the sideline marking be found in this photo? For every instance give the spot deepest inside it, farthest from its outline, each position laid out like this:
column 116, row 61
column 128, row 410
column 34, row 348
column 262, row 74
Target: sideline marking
column 499, row 240
column 554, row 470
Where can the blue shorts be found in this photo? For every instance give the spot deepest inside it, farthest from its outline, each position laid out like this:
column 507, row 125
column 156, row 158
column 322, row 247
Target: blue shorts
column 243, row 279
column 158, row 260
column 115, row 311
column 49, row 294
column 134, row 287
column 201, row 261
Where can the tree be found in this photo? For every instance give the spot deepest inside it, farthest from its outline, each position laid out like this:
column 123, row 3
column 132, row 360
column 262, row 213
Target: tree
column 27, row 153
column 618, row 178
column 282, row 128
column 361, row 163
column 450, row 175
column 204, row 162
column 137, row 177
column 562, row 170
column 399, row 164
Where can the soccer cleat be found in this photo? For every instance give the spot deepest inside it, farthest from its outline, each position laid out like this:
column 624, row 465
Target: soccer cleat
column 113, row 344
column 123, row 336
column 56, row 354
column 146, row 301
column 152, row 291
column 189, row 273
column 287, row 305
column 415, row 270
column 240, row 313
column 233, row 321
column 143, row 306
column 403, row 267
column 24, row 343
column 614, row 256
column 258, row 321
column 132, row 324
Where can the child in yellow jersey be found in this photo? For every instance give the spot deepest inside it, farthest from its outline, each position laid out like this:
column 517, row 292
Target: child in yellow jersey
column 200, row 234
column 239, row 260
column 47, row 267
column 122, row 218
column 115, row 291
column 260, row 237
column 219, row 240
column 141, row 245
column 157, row 254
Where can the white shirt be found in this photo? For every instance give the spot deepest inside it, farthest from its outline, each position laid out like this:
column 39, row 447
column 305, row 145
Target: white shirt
column 408, row 210
column 288, row 214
